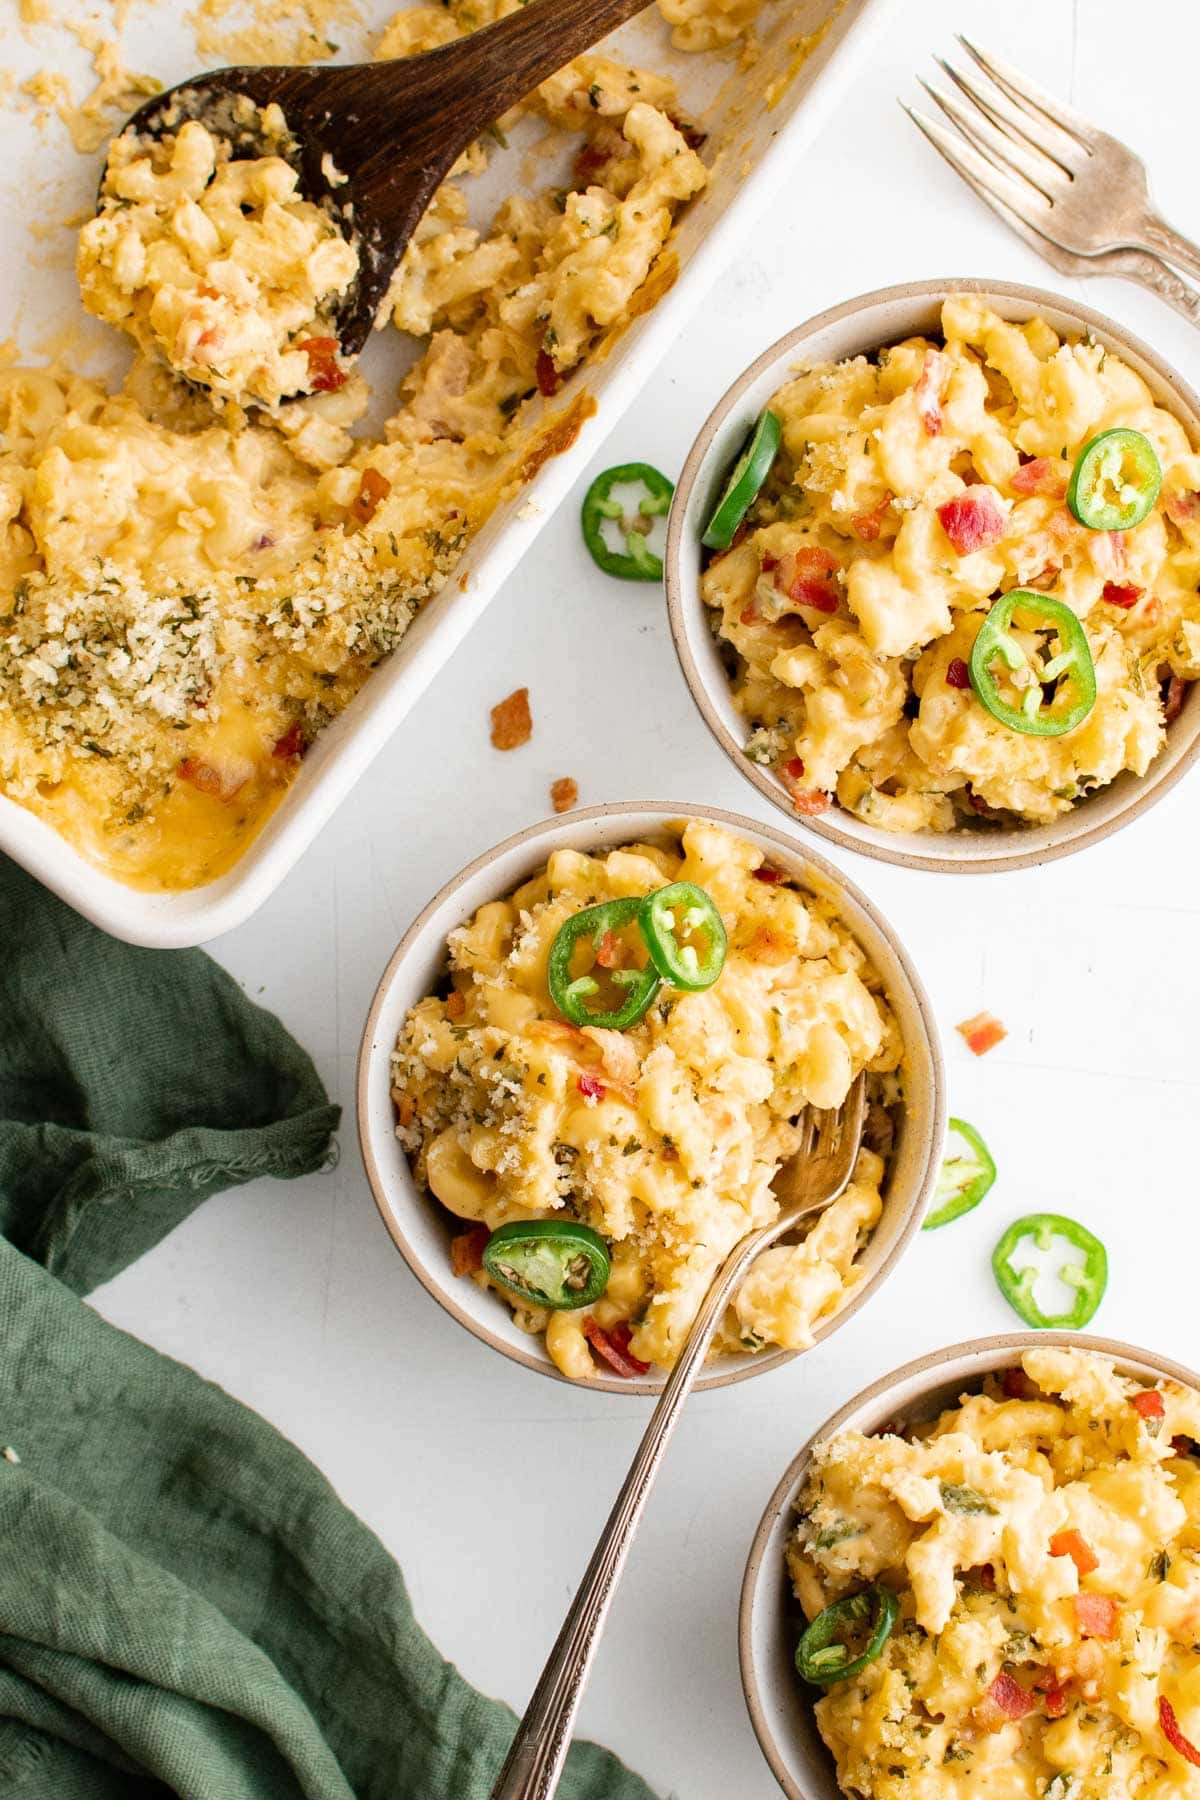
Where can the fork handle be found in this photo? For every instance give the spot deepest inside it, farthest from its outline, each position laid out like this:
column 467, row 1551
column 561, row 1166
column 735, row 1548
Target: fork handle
column 1171, row 245
column 534, row 1762
column 1149, row 272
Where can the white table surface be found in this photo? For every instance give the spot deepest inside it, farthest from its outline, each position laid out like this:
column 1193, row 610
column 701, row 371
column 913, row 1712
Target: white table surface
column 488, row 1482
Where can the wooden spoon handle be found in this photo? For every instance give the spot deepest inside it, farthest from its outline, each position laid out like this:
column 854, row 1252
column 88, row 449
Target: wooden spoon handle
column 507, row 60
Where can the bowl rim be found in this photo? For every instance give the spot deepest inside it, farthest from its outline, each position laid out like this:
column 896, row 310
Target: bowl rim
column 977, row 1357
column 1144, row 790
column 622, row 815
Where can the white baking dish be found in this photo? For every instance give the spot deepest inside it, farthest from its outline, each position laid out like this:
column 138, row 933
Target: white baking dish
column 754, row 142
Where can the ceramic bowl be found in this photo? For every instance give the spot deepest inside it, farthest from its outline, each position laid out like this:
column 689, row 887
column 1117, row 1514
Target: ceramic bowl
column 859, row 327
column 421, row 1229
column 769, row 1622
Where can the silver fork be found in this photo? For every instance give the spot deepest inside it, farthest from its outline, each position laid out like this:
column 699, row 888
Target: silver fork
column 1078, row 195
column 807, row 1183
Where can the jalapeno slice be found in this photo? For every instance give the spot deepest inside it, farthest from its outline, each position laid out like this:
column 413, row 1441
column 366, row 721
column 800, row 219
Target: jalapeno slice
column 684, row 935
column 964, row 1179
column 1053, row 690
column 638, row 562
column 580, row 997
column 549, row 1262
column 1115, row 481
column 745, row 482
column 1088, row 1279
column 847, row 1636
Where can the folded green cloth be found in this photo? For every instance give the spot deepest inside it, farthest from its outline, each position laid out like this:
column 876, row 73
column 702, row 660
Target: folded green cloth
column 185, row 1605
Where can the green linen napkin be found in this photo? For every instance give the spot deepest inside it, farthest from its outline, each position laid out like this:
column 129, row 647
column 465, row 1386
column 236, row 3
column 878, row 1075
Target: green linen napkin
column 186, row 1608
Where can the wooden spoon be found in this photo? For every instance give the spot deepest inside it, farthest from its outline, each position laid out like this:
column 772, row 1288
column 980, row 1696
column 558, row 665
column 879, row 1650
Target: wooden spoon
column 393, row 130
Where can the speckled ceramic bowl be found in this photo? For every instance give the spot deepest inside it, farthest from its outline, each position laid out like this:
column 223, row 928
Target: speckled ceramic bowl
column 860, row 327
column 770, row 1618
column 421, row 1229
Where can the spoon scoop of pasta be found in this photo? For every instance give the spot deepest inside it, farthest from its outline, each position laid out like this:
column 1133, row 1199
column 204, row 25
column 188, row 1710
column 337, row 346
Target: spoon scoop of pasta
column 369, row 142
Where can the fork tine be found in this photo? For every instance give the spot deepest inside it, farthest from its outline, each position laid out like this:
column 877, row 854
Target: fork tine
column 956, row 154
column 1049, row 162
column 854, row 1109
column 994, row 144
column 842, row 1124
column 1022, row 124
column 978, row 171
column 1026, row 94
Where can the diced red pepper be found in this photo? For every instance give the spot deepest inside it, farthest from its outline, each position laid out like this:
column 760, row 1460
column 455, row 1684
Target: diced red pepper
column 807, row 801
column 765, row 872
column 1173, row 1735
column 610, row 952
column 1043, row 475
column 1005, row 1700
column 1018, row 1386
column 324, row 373
column 1056, row 1701
column 1184, row 509
column 868, row 525
column 805, row 576
column 590, row 1088
column 1096, row 1615
column 466, row 1250
column 974, row 520
column 1055, row 1693
column 1149, row 1404
column 982, row 1033
column 1173, row 704
column 548, row 378
column 372, row 489
column 1075, row 1545
column 931, row 386
column 1109, row 552
column 292, row 745
column 613, row 1347
column 957, row 673
column 1122, row 594
column 811, row 801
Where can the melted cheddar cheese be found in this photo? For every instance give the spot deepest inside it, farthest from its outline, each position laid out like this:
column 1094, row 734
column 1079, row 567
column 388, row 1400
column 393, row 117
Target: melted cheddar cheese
column 193, row 587
column 663, row 1138
column 1043, row 1539
column 911, row 491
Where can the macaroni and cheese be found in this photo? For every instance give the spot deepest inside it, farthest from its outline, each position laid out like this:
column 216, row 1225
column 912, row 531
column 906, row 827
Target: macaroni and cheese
column 663, row 1138
column 911, row 490
column 1041, row 1540
column 193, row 589
column 216, row 263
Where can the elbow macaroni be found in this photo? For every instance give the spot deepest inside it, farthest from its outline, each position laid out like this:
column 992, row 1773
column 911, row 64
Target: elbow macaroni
column 854, row 687
column 214, row 263
column 958, row 1518
column 194, row 587
column 669, row 1150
